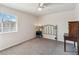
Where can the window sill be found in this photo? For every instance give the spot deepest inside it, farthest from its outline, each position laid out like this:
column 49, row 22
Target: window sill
column 8, row 32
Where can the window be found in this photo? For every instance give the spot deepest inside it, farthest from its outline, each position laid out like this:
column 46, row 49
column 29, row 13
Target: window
column 7, row 22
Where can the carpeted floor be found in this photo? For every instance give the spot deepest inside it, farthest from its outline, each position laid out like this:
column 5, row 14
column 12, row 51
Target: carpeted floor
column 40, row 47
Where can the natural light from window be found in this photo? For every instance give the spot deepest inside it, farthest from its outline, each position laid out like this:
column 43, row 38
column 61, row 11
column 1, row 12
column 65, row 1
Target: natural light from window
column 7, row 22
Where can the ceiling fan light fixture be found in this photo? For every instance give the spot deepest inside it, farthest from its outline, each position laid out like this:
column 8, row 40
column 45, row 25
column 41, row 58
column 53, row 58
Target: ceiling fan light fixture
column 41, row 4
column 39, row 9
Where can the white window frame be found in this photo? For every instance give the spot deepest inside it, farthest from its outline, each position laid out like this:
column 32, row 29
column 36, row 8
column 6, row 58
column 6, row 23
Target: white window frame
column 2, row 32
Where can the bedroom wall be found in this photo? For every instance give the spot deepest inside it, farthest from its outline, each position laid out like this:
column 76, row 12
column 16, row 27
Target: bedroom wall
column 25, row 28
column 60, row 19
column 77, row 12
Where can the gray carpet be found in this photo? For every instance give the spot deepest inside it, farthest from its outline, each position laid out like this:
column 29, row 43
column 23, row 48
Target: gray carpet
column 40, row 47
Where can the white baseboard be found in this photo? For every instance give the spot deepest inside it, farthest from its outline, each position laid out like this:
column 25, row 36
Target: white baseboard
column 16, row 44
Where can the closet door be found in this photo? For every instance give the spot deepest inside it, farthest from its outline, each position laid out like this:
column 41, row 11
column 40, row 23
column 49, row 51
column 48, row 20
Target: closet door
column 73, row 29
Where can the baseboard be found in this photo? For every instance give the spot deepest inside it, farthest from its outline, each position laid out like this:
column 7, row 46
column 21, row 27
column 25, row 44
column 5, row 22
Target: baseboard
column 16, row 44
column 27, row 41
column 60, row 40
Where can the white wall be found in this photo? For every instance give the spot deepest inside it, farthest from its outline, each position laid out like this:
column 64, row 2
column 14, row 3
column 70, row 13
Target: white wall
column 60, row 19
column 76, row 12
column 25, row 29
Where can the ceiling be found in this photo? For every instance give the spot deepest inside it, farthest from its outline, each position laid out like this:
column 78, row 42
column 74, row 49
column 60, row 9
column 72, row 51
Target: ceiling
column 32, row 8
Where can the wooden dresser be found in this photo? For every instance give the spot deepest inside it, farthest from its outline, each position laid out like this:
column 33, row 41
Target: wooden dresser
column 73, row 34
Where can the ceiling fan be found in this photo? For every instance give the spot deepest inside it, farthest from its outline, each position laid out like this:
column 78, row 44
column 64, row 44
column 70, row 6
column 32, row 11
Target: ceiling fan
column 44, row 5
column 41, row 6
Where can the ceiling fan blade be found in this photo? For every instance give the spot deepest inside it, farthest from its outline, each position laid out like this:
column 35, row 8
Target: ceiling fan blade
column 51, row 4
